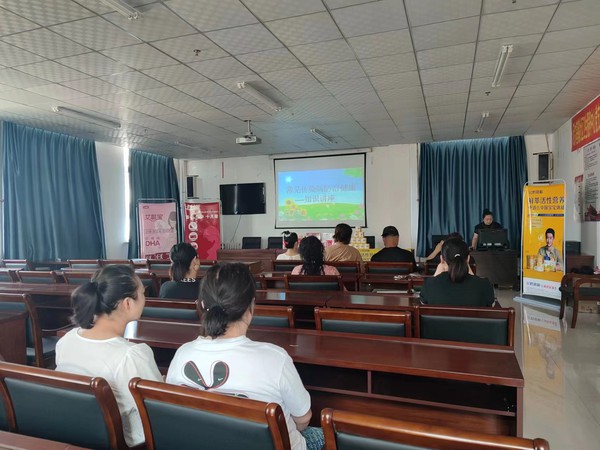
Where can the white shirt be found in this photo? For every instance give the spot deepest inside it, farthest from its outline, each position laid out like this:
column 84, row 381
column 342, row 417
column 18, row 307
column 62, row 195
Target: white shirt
column 240, row 366
column 286, row 257
column 117, row 361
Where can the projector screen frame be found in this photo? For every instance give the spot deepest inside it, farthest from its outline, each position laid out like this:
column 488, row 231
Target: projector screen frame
column 362, row 224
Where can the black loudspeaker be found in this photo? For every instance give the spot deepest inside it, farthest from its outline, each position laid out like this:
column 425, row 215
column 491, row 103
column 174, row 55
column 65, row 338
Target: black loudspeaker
column 544, row 166
column 192, row 187
column 573, row 247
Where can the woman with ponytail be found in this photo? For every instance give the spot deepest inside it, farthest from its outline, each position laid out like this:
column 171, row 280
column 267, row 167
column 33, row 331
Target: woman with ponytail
column 227, row 361
column 453, row 282
column 311, row 250
column 291, row 244
column 184, row 270
column 96, row 348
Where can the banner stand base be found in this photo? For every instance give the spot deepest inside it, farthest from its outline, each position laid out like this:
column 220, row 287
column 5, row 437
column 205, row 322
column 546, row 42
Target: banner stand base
column 538, row 301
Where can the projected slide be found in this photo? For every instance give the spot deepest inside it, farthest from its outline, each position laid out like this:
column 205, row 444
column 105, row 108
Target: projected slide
column 320, row 192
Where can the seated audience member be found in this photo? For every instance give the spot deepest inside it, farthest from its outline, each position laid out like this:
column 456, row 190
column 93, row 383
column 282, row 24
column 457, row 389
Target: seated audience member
column 102, row 309
column 184, row 268
column 291, row 243
column 341, row 250
column 453, row 282
column 311, row 250
column 227, row 361
column 434, row 256
column 391, row 252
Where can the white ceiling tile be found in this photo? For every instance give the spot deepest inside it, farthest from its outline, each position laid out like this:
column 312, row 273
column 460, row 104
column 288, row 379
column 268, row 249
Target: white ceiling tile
column 133, row 81
column 348, row 87
column 45, row 43
column 337, row 71
column 494, row 6
column 305, row 29
column 452, row 87
column 571, row 58
column 26, row 97
column 270, row 60
column 488, row 105
column 395, row 81
column 18, row 79
column 447, row 109
column 587, row 71
column 165, row 94
column 92, row 86
column 446, row 56
column 576, row 15
column 514, row 65
column 220, row 68
column 423, row 12
column 557, row 41
column 447, row 99
column 140, row 56
column 443, row 34
column 12, row 23
column 226, row 101
column 383, row 65
column 485, row 83
column 522, row 46
column 182, row 48
column 51, row 71
column 382, row 44
column 203, row 89
column 492, row 94
column 540, row 89
column 16, row 56
column 207, row 15
column 279, row 9
column 95, row 33
column 56, row 91
column 385, row 15
column 188, row 106
column 94, row 64
column 513, row 23
column 175, row 75
column 127, row 99
column 46, row 12
column 323, row 52
column 154, row 109
column 448, row 73
column 245, row 39
column 334, row 4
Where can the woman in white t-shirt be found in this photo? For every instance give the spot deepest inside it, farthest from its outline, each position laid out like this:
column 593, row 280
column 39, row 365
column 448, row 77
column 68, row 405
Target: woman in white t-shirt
column 291, row 243
column 102, row 309
column 227, row 361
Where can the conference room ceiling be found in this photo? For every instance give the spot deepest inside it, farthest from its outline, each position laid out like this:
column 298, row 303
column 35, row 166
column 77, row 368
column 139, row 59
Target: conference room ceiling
column 364, row 73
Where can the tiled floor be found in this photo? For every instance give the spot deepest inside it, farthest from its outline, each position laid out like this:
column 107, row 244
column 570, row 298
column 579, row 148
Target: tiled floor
column 561, row 366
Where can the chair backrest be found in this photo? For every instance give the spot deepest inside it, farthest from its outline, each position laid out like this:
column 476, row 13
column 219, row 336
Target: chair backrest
column 398, row 268
column 16, row 264
column 479, row 325
column 170, row 308
column 273, row 316
column 251, row 242
column 382, row 323
column 181, row 417
column 313, row 282
column 8, row 275
column 158, row 263
column 205, row 264
column 63, row 407
column 285, row 265
column 38, row 276
column 274, row 242
column 345, row 430
column 430, row 268
column 84, row 264
column 116, row 262
column 150, row 282
column 345, row 266
column 587, row 288
column 33, row 329
column 78, row 276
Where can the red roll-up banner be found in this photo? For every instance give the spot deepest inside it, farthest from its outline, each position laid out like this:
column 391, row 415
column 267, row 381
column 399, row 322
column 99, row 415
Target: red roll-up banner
column 203, row 228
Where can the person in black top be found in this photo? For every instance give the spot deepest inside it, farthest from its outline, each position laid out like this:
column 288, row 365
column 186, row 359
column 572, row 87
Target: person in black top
column 453, row 282
column 391, row 252
column 487, row 223
column 184, row 266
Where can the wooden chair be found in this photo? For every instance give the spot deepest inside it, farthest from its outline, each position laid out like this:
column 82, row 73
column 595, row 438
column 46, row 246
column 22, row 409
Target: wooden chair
column 481, row 325
column 285, row 265
column 397, row 268
column 40, row 343
column 348, row 268
column 8, row 275
column 430, row 268
column 119, row 262
column 39, row 276
column 382, row 323
column 158, row 264
column 178, row 417
column 63, row 407
column 16, row 264
column 170, row 308
column 273, row 316
column 274, row 242
column 588, row 288
column 252, row 242
column 206, row 264
column 78, row 276
column 313, row 282
column 84, row 264
column 345, row 430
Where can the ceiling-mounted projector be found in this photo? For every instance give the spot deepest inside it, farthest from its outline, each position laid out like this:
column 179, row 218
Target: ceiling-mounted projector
column 249, row 138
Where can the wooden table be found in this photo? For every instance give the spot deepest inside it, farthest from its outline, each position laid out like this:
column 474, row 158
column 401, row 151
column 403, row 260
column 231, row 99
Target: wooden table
column 14, row 441
column 499, row 266
column 12, row 337
column 371, row 281
column 467, row 386
column 276, row 280
column 263, row 256
column 372, row 300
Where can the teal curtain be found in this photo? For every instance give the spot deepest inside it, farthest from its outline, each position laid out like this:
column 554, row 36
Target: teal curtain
column 459, row 179
column 52, row 207
column 151, row 176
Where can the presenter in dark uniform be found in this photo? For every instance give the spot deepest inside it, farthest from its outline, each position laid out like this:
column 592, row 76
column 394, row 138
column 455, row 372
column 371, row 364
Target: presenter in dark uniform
column 487, row 223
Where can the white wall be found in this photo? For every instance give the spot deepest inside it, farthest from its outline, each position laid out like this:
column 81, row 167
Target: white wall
column 112, row 194
column 391, row 195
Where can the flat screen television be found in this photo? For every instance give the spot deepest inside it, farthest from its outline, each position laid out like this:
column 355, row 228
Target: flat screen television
column 490, row 239
column 244, row 198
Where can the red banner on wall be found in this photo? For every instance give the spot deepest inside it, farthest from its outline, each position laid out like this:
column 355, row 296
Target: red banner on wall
column 585, row 126
column 203, row 228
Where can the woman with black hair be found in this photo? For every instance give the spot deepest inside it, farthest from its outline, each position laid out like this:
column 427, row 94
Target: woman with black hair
column 341, row 250
column 311, row 250
column 453, row 282
column 227, row 361
column 184, row 268
column 102, row 309
column 291, row 244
